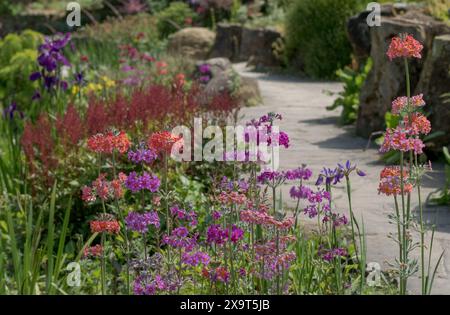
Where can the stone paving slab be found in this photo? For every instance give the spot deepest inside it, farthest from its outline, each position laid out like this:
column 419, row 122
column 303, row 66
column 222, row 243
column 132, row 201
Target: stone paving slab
column 318, row 141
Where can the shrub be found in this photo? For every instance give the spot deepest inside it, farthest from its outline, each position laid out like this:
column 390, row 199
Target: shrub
column 315, row 31
column 17, row 60
column 173, row 18
column 349, row 97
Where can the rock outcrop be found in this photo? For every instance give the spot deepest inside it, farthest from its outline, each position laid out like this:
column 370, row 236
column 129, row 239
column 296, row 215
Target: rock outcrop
column 228, row 41
column 192, row 42
column 239, row 43
column 386, row 80
column 257, row 46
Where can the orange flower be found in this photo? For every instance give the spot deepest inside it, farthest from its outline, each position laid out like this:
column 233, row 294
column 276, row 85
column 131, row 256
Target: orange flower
column 419, row 124
column 162, row 142
column 390, row 181
column 109, row 226
column 106, row 143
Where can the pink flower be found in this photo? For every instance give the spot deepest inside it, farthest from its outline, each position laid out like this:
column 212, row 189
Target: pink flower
column 400, row 104
column 398, row 139
column 419, row 124
column 404, row 46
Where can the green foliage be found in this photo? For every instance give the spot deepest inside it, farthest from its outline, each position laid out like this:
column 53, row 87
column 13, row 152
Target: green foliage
column 18, row 55
column 316, row 35
column 157, row 5
column 442, row 196
column 173, row 18
column 349, row 97
column 439, row 9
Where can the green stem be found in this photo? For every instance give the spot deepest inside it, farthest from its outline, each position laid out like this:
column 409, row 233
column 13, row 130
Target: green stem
column 103, row 265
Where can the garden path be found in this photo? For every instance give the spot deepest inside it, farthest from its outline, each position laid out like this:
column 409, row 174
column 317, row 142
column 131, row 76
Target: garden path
column 318, row 141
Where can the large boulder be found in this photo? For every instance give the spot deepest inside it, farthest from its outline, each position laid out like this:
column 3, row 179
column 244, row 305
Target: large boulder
column 192, row 42
column 238, row 43
column 358, row 32
column 257, row 46
column 435, row 81
column 386, row 80
column 228, row 41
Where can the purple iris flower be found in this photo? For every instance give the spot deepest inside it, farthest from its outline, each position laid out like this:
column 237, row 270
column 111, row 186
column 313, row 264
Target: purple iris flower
column 348, row 168
column 331, row 177
column 9, row 111
column 79, row 79
column 50, row 57
column 36, row 95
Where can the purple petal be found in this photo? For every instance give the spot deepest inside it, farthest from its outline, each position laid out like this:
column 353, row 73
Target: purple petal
column 360, row 173
column 35, row 76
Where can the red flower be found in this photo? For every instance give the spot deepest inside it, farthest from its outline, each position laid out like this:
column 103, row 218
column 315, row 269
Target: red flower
column 162, row 142
column 93, row 251
column 106, row 143
column 109, row 226
column 404, row 46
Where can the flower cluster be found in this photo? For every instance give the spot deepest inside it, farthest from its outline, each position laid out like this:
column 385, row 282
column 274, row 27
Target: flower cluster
column 400, row 104
column 218, row 235
column 390, row 181
column 93, row 251
column 232, row 197
column 319, row 203
column 399, row 139
column 300, row 192
column 147, row 181
column 229, row 185
column 262, row 218
column 220, row 274
column 108, row 142
column 104, row 189
column 141, row 155
column 274, row 264
column 404, row 46
column 417, row 124
column 301, row 173
column 162, row 142
column 195, row 258
column 205, row 73
column 106, row 223
column 182, row 214
column 265, row 123
column 329, row 254
column 179, row 238
column 139, row 222
column 148, row 285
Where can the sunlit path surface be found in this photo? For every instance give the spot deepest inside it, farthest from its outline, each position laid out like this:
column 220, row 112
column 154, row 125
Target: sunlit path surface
column 318, row 141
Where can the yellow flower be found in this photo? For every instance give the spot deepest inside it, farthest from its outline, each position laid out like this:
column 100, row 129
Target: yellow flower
column 75, row 89
column 108, row 82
